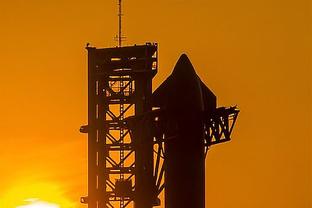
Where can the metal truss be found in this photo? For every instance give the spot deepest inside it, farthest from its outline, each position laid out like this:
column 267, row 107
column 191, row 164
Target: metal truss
column 120, row 164
column 219, row 126
column 118, row 80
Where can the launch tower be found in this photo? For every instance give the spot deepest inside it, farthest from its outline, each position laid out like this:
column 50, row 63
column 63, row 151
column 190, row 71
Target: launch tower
column 119, row 85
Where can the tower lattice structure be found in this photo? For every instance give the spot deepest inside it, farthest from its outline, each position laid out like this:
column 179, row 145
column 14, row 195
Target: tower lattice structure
column 119, row 86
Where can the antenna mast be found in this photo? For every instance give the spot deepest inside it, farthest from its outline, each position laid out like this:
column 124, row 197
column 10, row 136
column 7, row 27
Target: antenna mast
column 119, row 23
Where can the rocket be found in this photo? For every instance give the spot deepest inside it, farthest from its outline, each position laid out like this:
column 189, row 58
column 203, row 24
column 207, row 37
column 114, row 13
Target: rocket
column 186, row 122
column 186, row 100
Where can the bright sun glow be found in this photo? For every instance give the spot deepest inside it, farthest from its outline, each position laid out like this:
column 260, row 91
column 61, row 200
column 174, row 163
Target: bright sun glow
column 34, row 194
column 35, row 203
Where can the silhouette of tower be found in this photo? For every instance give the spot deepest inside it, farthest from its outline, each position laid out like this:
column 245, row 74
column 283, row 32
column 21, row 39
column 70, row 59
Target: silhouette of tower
column 119, row 85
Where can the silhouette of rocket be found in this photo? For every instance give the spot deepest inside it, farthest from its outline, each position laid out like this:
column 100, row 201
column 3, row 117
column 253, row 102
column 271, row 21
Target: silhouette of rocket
column 186, row 100
column 184, row 87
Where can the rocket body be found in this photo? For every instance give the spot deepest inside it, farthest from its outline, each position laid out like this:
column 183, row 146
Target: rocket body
column 185, row 98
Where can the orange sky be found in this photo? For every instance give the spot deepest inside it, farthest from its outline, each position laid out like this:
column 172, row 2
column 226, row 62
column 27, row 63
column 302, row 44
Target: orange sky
column 256, row 54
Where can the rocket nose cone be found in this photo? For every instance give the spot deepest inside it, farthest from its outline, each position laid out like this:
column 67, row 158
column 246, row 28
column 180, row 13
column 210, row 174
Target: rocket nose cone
column 183, row 90
column 184, row 57
column 184, row 66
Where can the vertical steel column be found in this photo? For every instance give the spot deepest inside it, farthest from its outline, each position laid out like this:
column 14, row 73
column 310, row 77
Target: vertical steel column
column 121, row 134
column 92, row 132
column 102, row 130
column 144, row 145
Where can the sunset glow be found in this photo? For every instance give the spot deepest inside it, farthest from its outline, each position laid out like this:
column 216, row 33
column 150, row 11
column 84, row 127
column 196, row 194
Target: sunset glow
column 35, row 195
column 253, row 54
column 35, row 203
